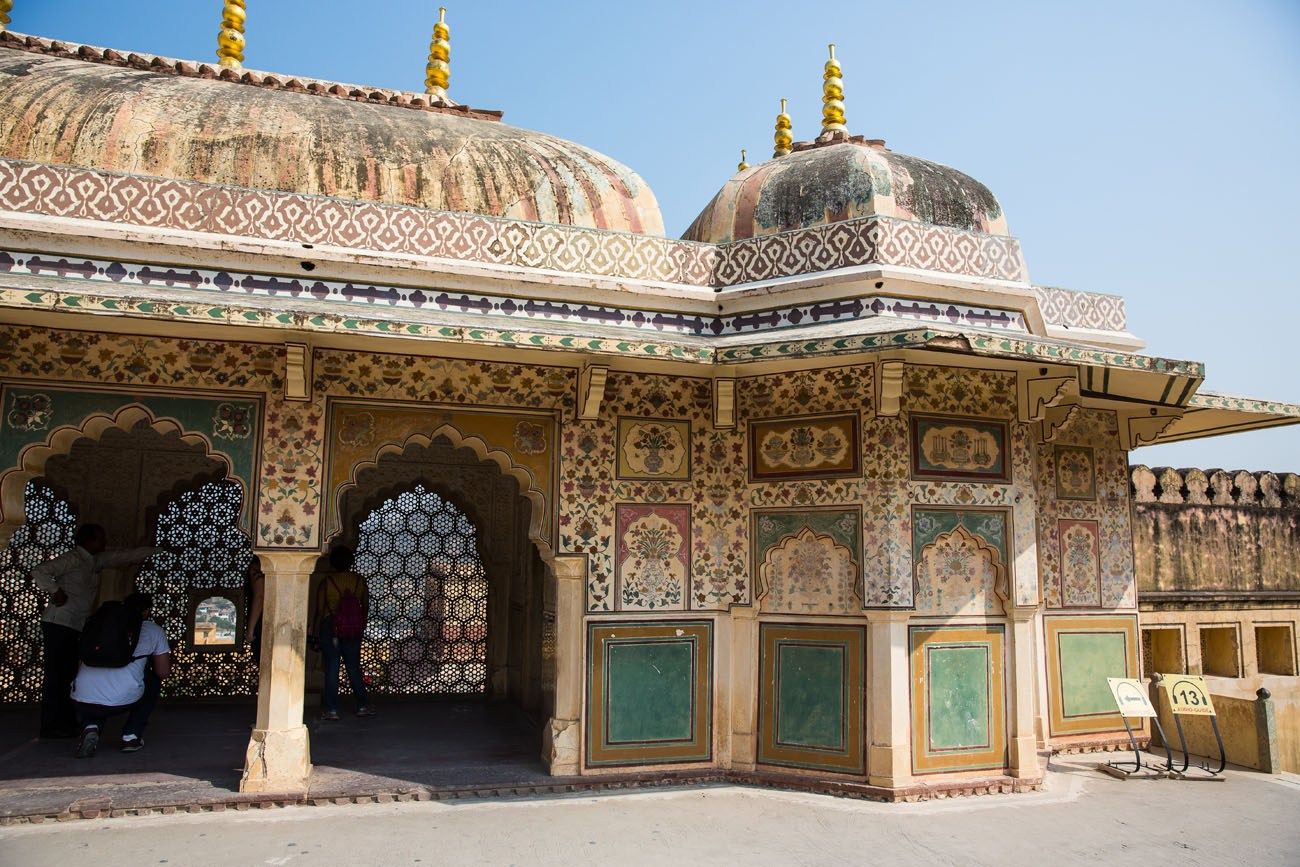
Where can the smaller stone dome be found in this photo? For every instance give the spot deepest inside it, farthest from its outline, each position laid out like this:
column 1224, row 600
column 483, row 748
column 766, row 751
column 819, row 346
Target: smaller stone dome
column 839, row 178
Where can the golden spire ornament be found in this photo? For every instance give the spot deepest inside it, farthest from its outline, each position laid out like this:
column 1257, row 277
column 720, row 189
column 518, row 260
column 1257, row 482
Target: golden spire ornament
column 742, row 165
column 5, row 6
column 437, row 73
column 230, row 41
column 782, row 138
column 833, row 96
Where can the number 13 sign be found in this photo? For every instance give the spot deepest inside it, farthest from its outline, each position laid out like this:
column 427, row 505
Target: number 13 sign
column 1187, row 694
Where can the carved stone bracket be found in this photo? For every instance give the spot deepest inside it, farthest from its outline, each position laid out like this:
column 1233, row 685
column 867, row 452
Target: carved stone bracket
column 1039, row 394
column 1055, row 418
column 297, row 372
column 724, row 404
column 891, row 388
column 1145, row 428
column 591, row 390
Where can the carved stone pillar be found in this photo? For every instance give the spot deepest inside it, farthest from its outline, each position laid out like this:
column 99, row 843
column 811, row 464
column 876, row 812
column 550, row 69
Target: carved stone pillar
column 279, row 755
column 744, row 685
column 889, row 707
column 1023, row 753
column 562, row 747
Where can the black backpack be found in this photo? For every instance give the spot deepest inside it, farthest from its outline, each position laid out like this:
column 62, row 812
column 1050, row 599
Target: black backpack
column 110, row 636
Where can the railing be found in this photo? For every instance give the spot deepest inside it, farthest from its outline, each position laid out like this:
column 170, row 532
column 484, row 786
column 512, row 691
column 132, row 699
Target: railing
column 1215, row 487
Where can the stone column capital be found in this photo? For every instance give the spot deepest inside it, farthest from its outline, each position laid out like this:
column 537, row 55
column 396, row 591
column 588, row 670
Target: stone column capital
column 287, row 562
column 570, row 567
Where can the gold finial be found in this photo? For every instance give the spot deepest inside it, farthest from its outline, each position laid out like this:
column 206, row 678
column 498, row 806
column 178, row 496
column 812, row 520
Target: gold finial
column 782, row 137
column 5, row 6
column 833, row 96
column 742, row 165
column 437, row 73
column 230, row 41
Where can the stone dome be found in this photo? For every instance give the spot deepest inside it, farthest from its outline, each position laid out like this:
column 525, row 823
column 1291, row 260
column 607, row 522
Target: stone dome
column 176, row 120
column 843, row 179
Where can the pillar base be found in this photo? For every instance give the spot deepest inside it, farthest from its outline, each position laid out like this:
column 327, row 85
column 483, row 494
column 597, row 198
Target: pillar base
column 1024, row 757
column 561, row 740
column 889, row 767
column 743, row 756
column 278, row 760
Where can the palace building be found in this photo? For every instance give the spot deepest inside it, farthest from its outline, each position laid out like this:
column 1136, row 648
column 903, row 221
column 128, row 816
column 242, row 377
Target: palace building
column 826, row 489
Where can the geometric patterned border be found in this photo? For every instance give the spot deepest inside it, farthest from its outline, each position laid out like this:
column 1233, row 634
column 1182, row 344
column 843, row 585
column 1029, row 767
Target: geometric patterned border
column 137, row 200
column 508, row 310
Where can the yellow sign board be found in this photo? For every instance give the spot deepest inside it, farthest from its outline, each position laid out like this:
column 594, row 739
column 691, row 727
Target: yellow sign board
column 1187, row 694
column 1131, row 697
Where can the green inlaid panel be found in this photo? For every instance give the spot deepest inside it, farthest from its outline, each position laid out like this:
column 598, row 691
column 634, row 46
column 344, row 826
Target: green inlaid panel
column 649, row 691
column 1087, row 659
column 958, row 682
column 810, row 696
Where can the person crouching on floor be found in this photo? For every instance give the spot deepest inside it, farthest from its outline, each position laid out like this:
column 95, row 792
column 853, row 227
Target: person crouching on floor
column 124, row 660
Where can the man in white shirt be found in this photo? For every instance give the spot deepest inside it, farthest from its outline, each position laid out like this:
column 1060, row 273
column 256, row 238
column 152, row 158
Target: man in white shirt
column 132, row 689
column 72, row 580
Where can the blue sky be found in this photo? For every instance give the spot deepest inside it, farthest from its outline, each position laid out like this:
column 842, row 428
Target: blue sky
column 1149, row 149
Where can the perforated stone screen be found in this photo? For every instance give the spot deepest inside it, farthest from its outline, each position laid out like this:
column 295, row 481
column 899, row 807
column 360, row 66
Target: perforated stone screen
column 204, row 549
column 427, row 629
column 48, row 532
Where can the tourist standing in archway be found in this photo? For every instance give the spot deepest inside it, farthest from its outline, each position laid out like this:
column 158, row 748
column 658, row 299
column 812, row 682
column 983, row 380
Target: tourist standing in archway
column 342, row 606
column 72, row 581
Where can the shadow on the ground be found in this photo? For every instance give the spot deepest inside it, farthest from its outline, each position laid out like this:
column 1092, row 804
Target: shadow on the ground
column 194, row 754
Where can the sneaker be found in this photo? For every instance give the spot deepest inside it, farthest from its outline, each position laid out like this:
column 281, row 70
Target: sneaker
column 131, row 744
column 366, row 711
column 329, row 715
column 89, row 742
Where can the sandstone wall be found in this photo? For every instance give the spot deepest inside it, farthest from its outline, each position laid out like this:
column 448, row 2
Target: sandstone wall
column 1216, row 530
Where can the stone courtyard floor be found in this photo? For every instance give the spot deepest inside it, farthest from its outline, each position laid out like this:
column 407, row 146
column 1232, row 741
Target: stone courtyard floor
column 1082, row 817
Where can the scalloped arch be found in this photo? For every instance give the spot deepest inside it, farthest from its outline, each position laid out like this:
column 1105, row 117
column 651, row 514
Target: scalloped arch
column 1001, row 583
column 501, row 457
column 846, row 601
column 33, row 458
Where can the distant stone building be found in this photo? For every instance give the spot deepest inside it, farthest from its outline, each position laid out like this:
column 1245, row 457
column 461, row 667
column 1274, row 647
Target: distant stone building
column 825, row 489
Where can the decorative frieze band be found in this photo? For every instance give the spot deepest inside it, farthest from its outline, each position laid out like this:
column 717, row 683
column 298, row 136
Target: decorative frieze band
column 235, row 283
column 64, row 191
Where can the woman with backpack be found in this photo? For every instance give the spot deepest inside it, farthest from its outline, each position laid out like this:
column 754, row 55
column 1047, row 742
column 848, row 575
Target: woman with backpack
column 342, row 604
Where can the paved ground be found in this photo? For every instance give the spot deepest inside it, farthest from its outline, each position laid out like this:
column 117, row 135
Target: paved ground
column 195, row 753
column 1082, row 818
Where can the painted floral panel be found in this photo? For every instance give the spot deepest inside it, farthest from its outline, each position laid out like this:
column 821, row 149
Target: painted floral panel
column 959, row 559
column 964, row 449
column 654, row 449
column 818, row 447
column 1076, row 473
column 653, row 557
column 1080, row 563
column 808, row 559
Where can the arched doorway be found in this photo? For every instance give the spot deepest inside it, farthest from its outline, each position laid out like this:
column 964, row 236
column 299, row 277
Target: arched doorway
column 427, row 632
column 454, row 642
column 147, row 484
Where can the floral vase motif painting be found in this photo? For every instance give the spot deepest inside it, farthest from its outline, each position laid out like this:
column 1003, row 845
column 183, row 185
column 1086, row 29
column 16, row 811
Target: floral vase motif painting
column 806, row 447
column 652, row 449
